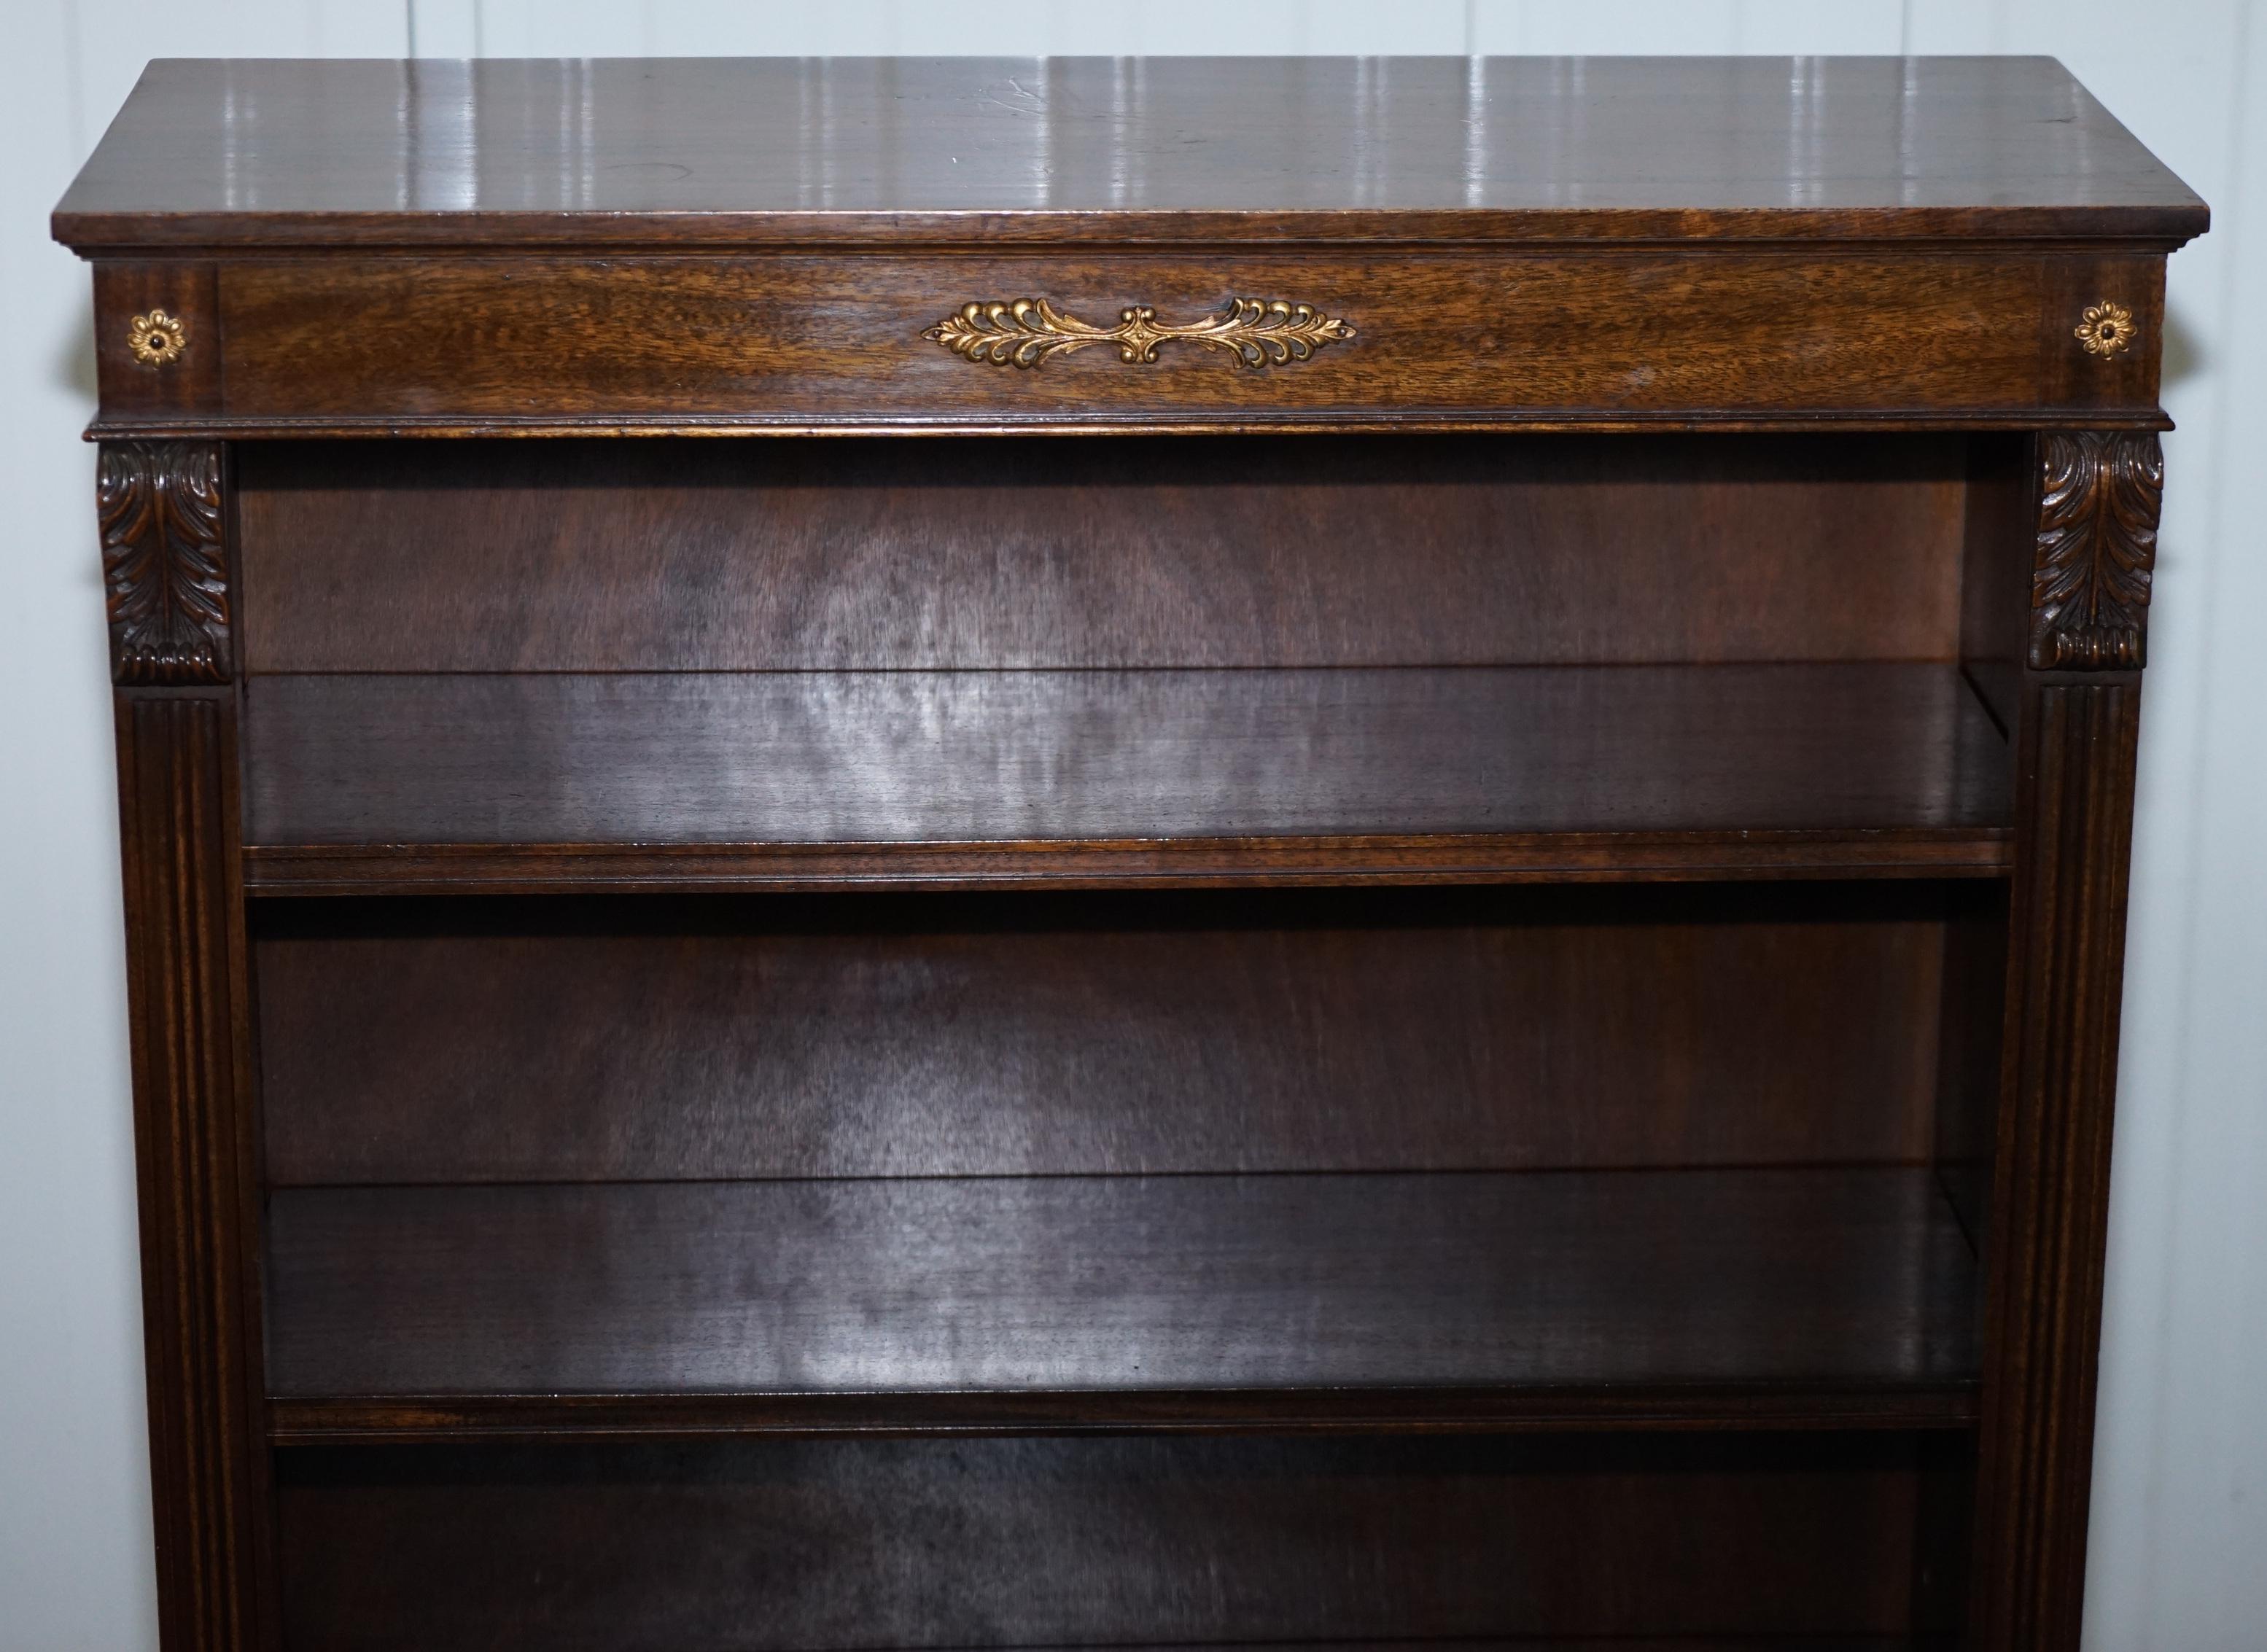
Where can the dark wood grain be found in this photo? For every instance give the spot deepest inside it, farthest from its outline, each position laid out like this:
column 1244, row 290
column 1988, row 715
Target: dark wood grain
column 166, row 573
column 194, row 1134
column 1035, row 1542
column 1280, row 862
column 1997, row 553
column 2082, row 378
column 1623, row 1279
column 186, row 290
column 449, row 1041
column 2051, row 1199
column 683, row 555
column 1949, row 1410
column 1052, row 756
column 1187, row 150
column 2100, row 493
column 1969, row 1044
column 1640, row 1304
column 803, row 340
column 580, row 426
column 2093, row 542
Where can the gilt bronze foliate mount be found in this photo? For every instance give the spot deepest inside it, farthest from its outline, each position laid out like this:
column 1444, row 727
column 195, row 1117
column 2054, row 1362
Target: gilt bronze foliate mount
column 1026, row 332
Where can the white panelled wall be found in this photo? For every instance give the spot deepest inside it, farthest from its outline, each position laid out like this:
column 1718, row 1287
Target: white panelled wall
column 2179, row 1558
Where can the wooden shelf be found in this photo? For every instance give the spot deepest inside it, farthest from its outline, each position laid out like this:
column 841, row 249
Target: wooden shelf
column 900, row 778
column 1838, row 1296
column 1582, row 1643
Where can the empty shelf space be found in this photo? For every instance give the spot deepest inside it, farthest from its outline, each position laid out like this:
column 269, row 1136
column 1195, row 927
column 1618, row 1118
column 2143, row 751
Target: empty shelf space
column 719, row 1037
column 1841, row 1297
column 1460, row 1542
column 765, row 779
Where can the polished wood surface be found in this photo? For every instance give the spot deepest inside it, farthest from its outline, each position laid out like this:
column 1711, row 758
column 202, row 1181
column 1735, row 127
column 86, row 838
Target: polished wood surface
column 186, row 388
column 1005, row 554
column 1623, row 1279
column 808, row 342
column 1948, row 1411
column 2051, row 1194
column 596, row 152
column 797, row 1058
column 1187, row 864
column 1030, row 756
column 777, row 1545
column 194, row 1132
column 1454, row 1028
column 1648, row 208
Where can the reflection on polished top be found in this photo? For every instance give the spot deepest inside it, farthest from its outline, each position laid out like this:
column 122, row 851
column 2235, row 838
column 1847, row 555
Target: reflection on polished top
column 214, row 153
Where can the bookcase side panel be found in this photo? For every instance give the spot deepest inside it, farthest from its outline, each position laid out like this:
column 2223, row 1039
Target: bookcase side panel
column 2094, row 547
column 165, row 521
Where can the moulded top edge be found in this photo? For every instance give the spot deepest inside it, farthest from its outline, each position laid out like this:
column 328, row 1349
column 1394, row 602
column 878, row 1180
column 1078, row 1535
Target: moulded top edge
column 1858, row 420
column 599, row 152
column 2161, row 230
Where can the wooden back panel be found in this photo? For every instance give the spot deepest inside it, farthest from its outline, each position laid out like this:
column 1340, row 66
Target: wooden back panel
column 965, row 1035
column 1001, row 552
column 782, row 1547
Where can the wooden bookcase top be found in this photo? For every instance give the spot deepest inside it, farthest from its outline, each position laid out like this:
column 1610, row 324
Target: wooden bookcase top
column 600, row 247
column 608, row 152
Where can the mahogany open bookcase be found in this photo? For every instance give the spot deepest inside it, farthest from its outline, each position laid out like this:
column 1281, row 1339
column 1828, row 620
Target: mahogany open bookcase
column 1164, row 853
